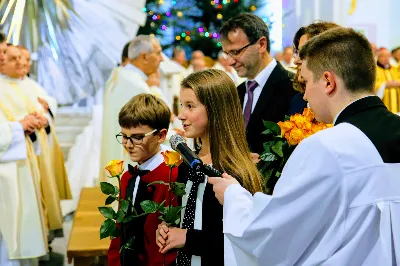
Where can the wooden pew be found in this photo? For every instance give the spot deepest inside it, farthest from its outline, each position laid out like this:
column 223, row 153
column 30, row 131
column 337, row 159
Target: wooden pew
column 85, row 247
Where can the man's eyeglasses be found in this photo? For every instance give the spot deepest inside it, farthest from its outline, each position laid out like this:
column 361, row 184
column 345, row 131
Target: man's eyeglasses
column 237, row 52
column 135, row 139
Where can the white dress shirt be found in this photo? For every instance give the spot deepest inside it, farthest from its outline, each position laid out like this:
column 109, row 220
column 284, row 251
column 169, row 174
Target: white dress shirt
column 149, row 165
column 261, row 79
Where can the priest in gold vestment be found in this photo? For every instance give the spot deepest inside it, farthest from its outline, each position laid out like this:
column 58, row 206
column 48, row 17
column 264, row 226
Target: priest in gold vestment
column 388, row 81
column 23, row 234
column 49, row 104
column 21, row 101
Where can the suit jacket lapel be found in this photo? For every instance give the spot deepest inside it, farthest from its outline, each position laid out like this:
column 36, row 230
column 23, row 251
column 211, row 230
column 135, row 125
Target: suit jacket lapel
column 242, row 91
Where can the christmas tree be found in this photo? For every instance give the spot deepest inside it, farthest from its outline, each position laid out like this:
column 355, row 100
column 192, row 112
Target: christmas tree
column 191, row 24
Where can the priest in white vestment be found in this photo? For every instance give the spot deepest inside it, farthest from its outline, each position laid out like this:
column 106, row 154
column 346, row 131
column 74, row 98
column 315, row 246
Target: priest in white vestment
column 145, row 56
column 337, row 201
column 21, row 101
column 22, row 227
column 47, row 104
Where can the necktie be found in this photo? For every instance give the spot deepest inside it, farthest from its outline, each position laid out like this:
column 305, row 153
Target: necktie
column 251, row 86
column 135, row 171
column 184, row 259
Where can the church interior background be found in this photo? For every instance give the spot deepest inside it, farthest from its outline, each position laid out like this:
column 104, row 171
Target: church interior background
column 76, row 43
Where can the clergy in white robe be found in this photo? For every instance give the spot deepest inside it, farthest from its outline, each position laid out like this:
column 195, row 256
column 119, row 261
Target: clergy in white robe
column 47, row 106
column 21, row 102
column 22, row 230
column 338, row 199
column 145, row 55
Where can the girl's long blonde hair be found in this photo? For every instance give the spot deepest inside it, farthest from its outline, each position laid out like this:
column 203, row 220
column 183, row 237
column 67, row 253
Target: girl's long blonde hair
column 226, row 129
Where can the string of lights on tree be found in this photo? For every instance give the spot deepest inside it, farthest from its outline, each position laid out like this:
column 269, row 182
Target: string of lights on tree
column 193, row 23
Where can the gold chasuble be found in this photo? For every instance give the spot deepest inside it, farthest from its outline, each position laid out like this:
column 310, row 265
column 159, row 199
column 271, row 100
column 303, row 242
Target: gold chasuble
column 391, row 97
column 22, row 105
column 33, row 90
column 22, row 222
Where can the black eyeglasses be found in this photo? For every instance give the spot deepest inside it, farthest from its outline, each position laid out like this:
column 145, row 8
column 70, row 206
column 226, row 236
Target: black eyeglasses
column 237, row 52
column 135, row 139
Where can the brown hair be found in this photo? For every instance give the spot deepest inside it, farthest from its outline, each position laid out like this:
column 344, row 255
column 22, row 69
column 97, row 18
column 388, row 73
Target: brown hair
column 226, row 130
column 311, row 30
column 145, row 110
column 345, row 52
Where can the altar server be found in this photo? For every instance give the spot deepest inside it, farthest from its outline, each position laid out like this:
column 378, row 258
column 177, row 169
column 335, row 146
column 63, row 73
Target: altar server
column 338, row 199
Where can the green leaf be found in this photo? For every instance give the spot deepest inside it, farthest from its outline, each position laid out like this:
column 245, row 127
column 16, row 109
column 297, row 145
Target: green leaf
column 129, row 218
column 178, row 188
column 108, row 228
column 107, row 212
column 173, row 215
column 124, row 206
column 268, row 157
column 287, row 117
column 107, row 188
column 110, row 199
column 160, row 182
column 120, row 216
column 273, row 127
column 149, row 206
column 161, row 207
column 128, row 244
column 116, row 191
column 277, row 148
column 267, row 132
column 278, row 174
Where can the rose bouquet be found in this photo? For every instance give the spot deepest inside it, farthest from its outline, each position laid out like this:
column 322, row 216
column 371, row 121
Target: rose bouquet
column 285, row 136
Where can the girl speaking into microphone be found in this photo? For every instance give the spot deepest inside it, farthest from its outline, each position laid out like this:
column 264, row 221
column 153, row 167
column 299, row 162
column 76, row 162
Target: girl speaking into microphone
column 212, row 115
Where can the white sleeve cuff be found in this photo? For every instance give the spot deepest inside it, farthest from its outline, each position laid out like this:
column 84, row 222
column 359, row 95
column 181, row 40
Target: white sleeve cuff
column 17, row 149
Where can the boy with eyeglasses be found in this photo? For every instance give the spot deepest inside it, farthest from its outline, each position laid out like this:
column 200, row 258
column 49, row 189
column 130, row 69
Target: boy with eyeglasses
column 144, row 123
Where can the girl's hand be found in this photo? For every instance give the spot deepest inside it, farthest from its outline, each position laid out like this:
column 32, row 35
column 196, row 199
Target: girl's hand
column 176, row 238
column 161, row 235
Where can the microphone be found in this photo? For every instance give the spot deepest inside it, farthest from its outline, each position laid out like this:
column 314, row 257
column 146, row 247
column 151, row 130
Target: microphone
column 190, row 157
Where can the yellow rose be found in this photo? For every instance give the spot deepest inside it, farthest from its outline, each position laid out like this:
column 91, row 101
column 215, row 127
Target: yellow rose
column 285, row 126
column 299, row 120
column 172, row 158
column 115, row 167
column 295, row 136
column 320, row 126
column 308, row 113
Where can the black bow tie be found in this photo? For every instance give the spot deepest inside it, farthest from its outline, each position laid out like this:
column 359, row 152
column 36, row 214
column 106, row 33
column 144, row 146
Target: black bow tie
column 135, row 171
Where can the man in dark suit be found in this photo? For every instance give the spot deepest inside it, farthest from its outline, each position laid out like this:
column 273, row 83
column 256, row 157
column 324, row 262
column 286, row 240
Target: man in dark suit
column 268, row 91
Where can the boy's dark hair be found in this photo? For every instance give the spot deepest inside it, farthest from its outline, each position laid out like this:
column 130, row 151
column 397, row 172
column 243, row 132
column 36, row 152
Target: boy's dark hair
column 253, row 26
column 2, row 37
column 145, row 110
column 344, row 52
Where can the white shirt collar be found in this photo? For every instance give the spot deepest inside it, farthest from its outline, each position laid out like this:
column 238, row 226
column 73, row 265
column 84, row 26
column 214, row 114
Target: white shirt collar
column 136, row 70
column 263, row 76
column 336, row 117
